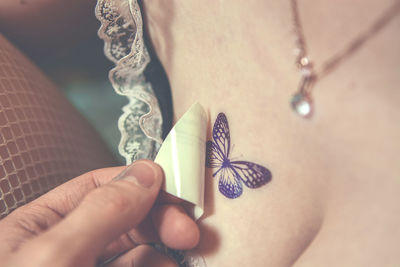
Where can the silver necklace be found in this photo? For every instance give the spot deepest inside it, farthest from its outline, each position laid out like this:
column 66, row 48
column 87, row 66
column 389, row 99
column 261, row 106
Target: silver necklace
column 302, row 101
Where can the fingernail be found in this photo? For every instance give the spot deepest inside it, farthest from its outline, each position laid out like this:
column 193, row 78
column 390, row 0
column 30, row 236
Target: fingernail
column 141, row 173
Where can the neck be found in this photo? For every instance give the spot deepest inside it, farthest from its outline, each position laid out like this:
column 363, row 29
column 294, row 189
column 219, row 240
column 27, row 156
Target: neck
column 220, row 45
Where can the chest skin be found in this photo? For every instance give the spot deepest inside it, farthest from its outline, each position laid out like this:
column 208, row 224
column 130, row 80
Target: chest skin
column 335, row 178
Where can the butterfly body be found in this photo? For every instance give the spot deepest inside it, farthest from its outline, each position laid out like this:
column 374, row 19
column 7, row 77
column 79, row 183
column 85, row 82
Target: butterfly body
column 232, row 173
column 225, row 164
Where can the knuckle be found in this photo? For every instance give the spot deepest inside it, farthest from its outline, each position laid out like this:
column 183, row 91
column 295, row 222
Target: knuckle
column 128, row 241
column 111, row 198
column 28, row 218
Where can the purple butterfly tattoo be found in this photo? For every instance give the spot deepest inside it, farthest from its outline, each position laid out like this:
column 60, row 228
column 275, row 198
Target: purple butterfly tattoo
column 231, row 173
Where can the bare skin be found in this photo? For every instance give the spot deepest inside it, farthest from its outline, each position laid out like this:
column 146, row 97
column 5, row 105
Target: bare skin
column 47, row 28
column 333, row 199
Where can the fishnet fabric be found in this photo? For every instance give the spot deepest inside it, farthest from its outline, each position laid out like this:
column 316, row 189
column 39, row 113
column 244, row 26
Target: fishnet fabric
column 43, row 139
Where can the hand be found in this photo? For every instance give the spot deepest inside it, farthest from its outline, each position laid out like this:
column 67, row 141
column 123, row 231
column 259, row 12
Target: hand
column 92, row 218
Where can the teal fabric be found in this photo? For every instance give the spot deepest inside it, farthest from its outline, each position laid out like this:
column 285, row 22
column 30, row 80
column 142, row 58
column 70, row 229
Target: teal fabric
column 101, row 106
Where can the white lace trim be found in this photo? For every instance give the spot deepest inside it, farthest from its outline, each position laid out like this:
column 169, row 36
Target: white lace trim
column 141, row 121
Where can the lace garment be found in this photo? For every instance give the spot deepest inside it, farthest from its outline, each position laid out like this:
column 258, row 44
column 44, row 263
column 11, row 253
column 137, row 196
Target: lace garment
column 141, row 122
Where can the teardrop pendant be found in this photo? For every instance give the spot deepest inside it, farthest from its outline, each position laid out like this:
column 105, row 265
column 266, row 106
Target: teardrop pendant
column 302, row 104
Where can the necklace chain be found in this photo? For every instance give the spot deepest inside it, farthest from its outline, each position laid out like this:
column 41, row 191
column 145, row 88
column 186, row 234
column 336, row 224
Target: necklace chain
column 302, row 101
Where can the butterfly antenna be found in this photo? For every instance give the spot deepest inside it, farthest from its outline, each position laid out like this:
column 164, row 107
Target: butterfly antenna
column 233, row 148
column 235, row 158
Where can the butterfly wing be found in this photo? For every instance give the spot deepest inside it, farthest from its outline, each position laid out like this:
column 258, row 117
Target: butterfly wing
column 253, row 175
column 221, row 135
column 214, row 156
column 231, row 174
column 229, row 184
column 218, row 150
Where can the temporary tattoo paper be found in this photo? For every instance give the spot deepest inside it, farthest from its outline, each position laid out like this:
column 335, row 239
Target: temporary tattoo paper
column 182, row 156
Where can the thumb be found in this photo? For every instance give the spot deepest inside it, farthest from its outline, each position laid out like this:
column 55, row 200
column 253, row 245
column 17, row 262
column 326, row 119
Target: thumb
column 103, row 215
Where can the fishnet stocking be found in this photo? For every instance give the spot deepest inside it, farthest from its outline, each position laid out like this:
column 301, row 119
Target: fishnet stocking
column 43, row 140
